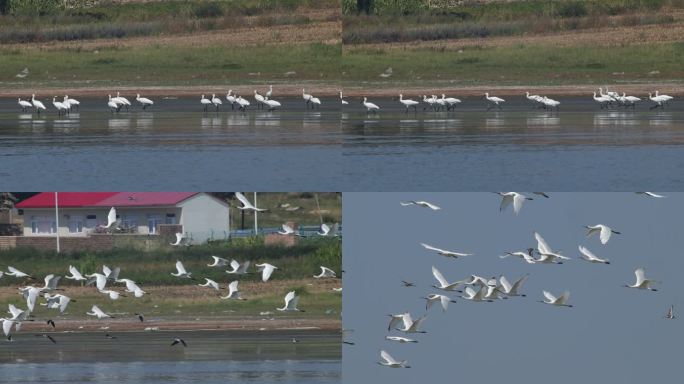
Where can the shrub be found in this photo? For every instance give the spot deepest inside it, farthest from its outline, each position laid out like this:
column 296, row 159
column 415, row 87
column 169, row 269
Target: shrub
column 208, row 9
column 572, row 9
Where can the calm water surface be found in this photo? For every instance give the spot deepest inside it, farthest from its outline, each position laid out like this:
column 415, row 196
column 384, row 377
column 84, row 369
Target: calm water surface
column 211, row 357
column 177, row 146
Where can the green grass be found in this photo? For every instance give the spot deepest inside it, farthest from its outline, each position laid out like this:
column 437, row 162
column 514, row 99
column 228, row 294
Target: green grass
column 154, row 267
column 169, row 65
column 517, row 65
column 307, row 214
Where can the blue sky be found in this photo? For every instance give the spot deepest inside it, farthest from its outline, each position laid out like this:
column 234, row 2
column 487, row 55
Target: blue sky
column 612, row 333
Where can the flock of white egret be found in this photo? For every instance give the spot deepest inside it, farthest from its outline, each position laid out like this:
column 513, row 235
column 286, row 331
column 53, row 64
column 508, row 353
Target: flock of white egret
column 609, row 99
column 105, row 284
column 482, row 289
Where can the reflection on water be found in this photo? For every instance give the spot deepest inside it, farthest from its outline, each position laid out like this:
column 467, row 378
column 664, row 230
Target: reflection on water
column 211, row 357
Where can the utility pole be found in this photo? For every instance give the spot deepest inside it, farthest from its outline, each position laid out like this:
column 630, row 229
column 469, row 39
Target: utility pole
column 57, row 220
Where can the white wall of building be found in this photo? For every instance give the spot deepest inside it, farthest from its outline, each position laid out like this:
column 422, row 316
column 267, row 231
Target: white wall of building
column 204, row 217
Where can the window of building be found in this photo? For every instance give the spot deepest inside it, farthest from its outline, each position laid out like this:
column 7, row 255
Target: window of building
column 75, row 224
column 91, row 221
column 43, row 225
column 153, row 220
column 129, row 220
column 170, row 218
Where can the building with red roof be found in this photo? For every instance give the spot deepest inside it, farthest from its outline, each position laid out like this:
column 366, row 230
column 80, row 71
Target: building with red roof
column 199, row 215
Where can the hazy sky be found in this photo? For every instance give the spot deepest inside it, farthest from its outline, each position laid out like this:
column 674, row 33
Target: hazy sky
column 612, row 334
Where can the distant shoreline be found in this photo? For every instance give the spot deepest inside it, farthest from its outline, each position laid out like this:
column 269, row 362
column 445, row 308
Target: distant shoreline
column 331, row 90
column 253, row 325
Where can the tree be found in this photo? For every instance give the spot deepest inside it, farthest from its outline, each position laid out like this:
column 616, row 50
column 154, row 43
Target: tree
column 4, row 6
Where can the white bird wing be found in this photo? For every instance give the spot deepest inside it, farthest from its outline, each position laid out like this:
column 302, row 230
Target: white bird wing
column 518, row 284
column 430, row 247
column 640, row 276
column 243, row 200
column 394, row 320
column 287, row 229
column 6, row 327
column 47, row 280
column 408, row 320
column 564, row 297
column 605, row 234
column 235, row 265
column 470, row 293
column 179, row 238
column 440, row 278
column 31, row 298
column 445, row 301
column 551, row 298
column 387, row 358
column 14, row 311
column 518, row 200
column 14, row 270
column 131, row 285
column 587, row 254
column 416, row 324
column 505, row 284
column 180, row 268
column 106, row 270
column 63, row 302
column 506, row 200
column 97, row 311
column 289, row 298
column 325, row 229
column 267, row 272
column 111, row 217
column 407, row 203
column 100, row 281
column 430, row 205
column 232, row 288
column 245, row 266
column 542, row 246
column 75, row 273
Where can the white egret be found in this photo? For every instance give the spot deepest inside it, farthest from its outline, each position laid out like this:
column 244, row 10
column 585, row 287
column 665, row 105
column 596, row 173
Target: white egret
column 98, row 313
column 641, row 281
column 557, row 301
column 122, row 100
column 246, row 205
column 291, row 301
column 408, row 103
column 239, row 269
column 179, row 341
column 420, row 203
column 546, row 254
column 231, row 99
column 182, row 272
column 650, row 194
column 210, row 283
column 144, row 101
column 287, row 230
column 325, row 273
column 590, row 257
column 24, row 104
column 61, row 107
column 497, row 101
column 11, row 271
column 205, row 103
column 218, row 262
column 434, row 297
column 444, row 252
column 604, row 231
column 443, row 283
column 512, row 197
column 512, row 290
column 266, row 270
column 75, row 274
column 342, row 100
column 527, row 256
column 179, row 239
column 479, row 296
column 370, row 107
column 233, row 292
column 670, row 313
column 324, row 230
column 37, row 104
column 401, row 339
column 389, row 361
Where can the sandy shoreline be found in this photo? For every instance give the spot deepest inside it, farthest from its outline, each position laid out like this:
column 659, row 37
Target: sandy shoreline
column 331, row 90
column 195, row 324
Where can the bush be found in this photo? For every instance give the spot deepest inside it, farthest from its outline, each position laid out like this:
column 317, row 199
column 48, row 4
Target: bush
column 205, row 10
column 34, row 7
column 572, row 9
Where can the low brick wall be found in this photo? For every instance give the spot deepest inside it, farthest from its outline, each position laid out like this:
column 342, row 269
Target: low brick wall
column 95, row 242
column 8, row 242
